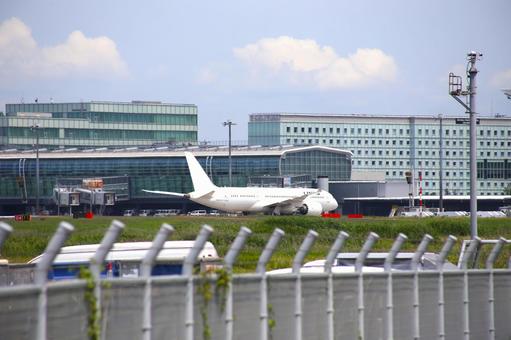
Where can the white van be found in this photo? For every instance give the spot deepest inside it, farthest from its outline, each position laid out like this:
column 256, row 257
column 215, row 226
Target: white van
column 129, row 213
column 198, row 213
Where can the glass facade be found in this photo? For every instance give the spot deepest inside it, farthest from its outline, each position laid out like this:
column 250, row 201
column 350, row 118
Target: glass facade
column 167, row 171
column 393, row 145
column 97, row 124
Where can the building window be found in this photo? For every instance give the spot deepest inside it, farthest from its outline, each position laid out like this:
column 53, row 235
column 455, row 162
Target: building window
column 288, row 129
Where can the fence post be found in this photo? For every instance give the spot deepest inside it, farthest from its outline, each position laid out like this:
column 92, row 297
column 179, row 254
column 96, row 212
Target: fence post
column 99, row 257
column 229, row 260
column 359, row 265
column 416, row 259
column 398, row 243
column 332, row 254
column 145, row 271
column 468, row 255
column 449, row 243
column 261, row 269
column 490, row 261
column 5, row 231
column 297, row 264
column 188, row 264
column 41, row 273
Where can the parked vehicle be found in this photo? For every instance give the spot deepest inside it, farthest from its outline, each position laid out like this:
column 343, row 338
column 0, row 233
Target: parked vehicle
column 345, row 263
column 124, row 259
column 198, row 213
column 129, row 213
column 161, row 212
column 214, row 213
column 144, row 212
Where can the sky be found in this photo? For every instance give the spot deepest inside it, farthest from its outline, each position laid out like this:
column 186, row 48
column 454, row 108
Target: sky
column 234, row 58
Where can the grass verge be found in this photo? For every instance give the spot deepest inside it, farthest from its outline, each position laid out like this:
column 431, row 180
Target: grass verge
column 30, row 238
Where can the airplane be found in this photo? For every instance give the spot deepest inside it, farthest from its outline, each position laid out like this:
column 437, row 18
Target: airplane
column 275, row 201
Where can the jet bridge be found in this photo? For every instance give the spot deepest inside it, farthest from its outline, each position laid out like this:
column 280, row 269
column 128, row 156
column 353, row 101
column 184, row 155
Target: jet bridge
column 97, row 192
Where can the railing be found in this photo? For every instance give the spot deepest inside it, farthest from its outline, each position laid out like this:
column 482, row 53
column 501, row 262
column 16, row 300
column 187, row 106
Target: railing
column 361, row 304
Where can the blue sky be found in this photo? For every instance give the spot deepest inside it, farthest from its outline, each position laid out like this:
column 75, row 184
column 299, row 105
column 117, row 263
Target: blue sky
column 233, row 58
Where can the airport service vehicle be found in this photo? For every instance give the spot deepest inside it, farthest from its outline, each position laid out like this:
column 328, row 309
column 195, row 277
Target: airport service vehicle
column 345, row 263
column 320, row 269
column 129, row 213
column 124, row 259
column 144, row 212
column 214, row 213
column 402, row 261
column 166, row 212
column 277, row 201
column 198, row 213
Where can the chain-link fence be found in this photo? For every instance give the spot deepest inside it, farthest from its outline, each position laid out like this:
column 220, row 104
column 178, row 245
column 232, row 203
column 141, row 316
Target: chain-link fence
column 216, row 305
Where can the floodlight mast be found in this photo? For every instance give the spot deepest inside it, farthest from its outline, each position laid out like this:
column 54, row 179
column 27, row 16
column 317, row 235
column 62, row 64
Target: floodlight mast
column 455, row 90
column 229, row 123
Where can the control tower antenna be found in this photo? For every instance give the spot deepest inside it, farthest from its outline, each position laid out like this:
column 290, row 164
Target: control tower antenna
column 456, row 91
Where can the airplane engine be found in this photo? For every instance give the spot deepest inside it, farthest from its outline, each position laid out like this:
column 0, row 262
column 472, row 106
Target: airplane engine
column 311, row 208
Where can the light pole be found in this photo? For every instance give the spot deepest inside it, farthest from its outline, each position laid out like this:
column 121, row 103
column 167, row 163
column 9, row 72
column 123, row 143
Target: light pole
column 455, row 90
column 35, row 128
column 441, row 160
column 230, row 124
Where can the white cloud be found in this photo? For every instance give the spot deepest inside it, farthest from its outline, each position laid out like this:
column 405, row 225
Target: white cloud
column 205, row 76
column 305, row 61
column 502, row 79
column 21, row 57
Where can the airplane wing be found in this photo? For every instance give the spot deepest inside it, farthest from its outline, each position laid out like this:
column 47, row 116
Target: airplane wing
column 202, row 194
column 168, row 193
column 281, row 201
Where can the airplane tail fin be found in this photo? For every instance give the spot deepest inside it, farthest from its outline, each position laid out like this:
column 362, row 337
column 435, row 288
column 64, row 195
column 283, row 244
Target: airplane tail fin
column 200, row 179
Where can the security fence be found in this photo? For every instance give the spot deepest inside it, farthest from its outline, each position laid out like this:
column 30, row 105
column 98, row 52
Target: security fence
column 325, row 304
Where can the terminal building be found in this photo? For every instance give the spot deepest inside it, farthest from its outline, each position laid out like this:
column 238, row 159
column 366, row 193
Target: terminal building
column 385, row 147
column 126, row 171
column 97, row 124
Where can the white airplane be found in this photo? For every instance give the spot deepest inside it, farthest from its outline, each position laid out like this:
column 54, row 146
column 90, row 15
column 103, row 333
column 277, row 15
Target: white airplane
column 277, row 201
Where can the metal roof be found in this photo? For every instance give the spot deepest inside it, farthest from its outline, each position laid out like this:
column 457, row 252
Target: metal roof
column 171, row 151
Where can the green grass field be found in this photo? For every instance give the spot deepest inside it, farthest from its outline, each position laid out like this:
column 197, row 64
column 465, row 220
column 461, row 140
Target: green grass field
column 30, row 238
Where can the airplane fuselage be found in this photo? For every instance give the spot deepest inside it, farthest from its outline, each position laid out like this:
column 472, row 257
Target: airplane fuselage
column 255, row 199
column 278, row 201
